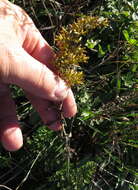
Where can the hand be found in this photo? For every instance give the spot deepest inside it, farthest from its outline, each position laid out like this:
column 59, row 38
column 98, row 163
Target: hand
column 26, row 61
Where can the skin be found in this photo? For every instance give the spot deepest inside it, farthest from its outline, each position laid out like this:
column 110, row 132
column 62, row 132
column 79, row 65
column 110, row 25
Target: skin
column 26, row 61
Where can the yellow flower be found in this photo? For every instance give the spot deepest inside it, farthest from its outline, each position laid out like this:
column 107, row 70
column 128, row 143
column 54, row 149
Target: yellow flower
column 70, row 50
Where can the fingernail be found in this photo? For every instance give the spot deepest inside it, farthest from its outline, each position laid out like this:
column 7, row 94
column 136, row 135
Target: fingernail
column 61, row 90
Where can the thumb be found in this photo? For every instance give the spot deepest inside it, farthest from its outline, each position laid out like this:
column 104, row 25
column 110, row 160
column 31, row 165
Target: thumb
column 32, row 75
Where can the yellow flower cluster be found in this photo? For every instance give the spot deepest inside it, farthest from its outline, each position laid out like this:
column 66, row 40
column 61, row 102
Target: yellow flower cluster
column 70, row 50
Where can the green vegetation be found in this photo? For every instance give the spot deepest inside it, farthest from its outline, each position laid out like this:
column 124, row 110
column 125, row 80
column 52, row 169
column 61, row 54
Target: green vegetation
column 98, row 150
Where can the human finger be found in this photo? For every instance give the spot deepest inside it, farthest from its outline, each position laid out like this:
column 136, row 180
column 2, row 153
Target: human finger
column 52, row 112
column 10, row 132
column 19, row 68
column 49, row 112
column 69, row 107
column 38, row 47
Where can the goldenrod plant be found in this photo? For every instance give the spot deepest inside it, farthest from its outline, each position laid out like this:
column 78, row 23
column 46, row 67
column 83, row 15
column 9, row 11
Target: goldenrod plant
column 71, row 52
column 100, row 149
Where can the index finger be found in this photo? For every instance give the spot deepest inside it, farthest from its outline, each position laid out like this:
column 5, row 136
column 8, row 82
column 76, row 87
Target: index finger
column 37, row 46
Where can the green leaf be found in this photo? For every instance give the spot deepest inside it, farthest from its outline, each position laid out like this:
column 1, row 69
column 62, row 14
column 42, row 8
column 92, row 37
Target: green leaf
column 126, row 34
column 135, row 68
column 91, row 43
column 87, row 114
column 118, row 84
column 131, row 41
column 101, row 51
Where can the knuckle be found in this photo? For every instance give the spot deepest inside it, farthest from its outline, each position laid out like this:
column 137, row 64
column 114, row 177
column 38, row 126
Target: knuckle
column 47, row 82
column 6, row 57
